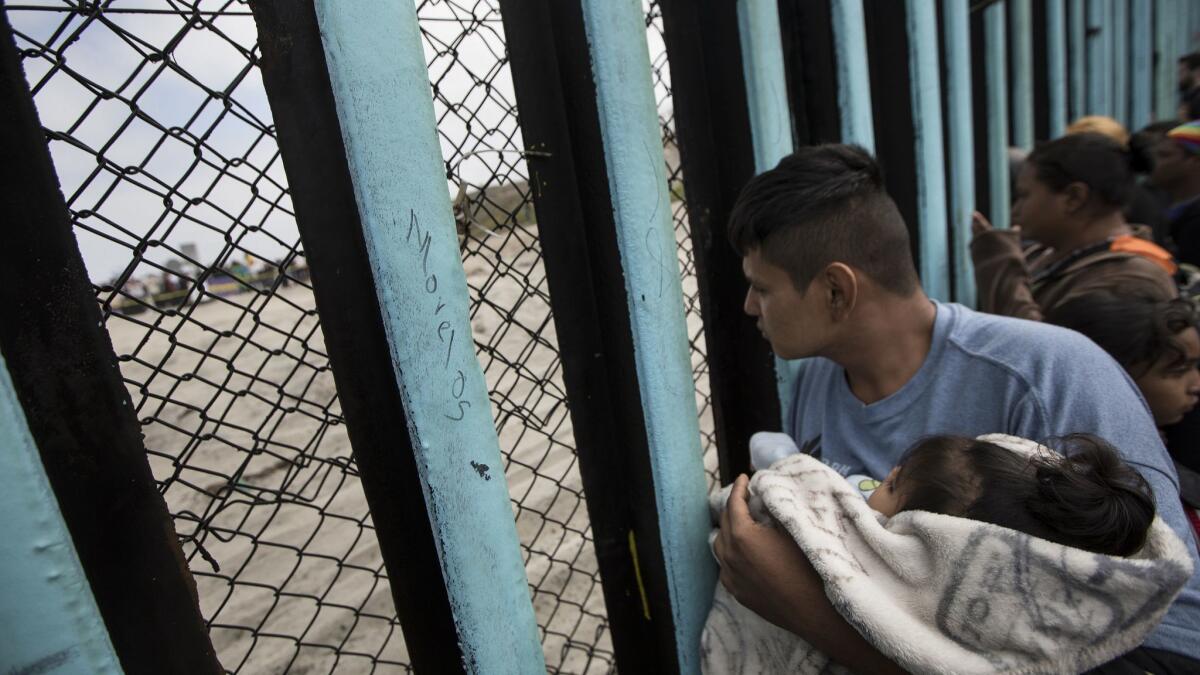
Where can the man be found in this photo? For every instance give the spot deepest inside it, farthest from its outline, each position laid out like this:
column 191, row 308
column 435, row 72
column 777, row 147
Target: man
column 831, row 277
column 1177, row 171
column 1188, row 74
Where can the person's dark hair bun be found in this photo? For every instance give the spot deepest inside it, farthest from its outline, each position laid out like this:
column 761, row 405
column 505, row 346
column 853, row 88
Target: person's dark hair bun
column 1092, row 497
column 1095, row 160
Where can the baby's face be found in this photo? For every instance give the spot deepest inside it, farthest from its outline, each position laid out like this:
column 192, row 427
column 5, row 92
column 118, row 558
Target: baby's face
column 885, row 499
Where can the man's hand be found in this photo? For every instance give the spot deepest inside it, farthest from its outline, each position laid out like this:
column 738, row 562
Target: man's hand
column 753, row 556
column 768, row 573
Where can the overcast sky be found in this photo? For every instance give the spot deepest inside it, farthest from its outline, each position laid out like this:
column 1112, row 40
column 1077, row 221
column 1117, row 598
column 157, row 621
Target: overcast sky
column 133, row 208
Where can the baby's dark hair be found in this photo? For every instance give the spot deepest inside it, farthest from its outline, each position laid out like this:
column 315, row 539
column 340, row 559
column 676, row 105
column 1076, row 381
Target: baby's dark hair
column 1086, row 498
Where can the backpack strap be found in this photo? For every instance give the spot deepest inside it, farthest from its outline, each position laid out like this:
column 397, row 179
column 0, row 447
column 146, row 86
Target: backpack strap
column 1128, row 243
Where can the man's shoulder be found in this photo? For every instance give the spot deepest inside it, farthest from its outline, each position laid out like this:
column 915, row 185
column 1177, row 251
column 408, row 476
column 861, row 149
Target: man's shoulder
column 991, row 336
column 1033, row 352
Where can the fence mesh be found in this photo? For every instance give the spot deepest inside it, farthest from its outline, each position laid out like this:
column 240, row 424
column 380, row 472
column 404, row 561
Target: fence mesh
column 162, row 138
column 163, row 142
column 479, row 129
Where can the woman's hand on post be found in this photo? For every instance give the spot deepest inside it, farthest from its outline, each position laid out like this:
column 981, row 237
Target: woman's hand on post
column 979, row 224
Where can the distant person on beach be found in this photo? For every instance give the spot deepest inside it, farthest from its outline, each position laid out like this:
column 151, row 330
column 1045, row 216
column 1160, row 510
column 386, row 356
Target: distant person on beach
column 832, row 280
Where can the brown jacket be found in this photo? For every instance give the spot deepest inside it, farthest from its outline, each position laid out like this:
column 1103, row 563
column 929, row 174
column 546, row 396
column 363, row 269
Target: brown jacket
column 1023, row 284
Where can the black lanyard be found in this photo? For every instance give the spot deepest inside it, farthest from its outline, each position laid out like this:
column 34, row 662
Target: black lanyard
column 1058, row 267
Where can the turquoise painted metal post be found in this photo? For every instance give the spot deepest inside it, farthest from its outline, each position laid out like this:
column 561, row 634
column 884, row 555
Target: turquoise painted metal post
column 1194, row 33
column 1099, row 58
column 49, row 621
column 637, row 181
column 956, row 19
column 1118, row 28
column 1077, row 64
column 854, row 79
column 385, row 109
column 1183, row 27
column 925, row 83
column 770, row 119
column 1056, row 65
column 997, row 102
column 766, row 84
column 1165, row 78
column 1141, row 60
column 1021, row 32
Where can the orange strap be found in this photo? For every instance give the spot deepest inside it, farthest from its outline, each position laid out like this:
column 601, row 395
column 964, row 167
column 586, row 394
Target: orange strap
column 1127, row 243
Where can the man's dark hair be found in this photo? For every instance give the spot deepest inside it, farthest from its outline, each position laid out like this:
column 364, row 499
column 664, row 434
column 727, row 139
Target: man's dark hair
column 1192, row 60
column 1093, row 159
column 1086, row 498
column 1136, row 326
column 824, row 204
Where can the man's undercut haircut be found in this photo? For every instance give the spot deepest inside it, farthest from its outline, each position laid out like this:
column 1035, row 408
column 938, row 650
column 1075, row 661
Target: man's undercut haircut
column 824, row 204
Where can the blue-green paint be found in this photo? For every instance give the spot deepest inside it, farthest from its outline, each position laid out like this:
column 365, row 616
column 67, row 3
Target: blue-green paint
column 854, row 80
column 616, row 33
column 1183, row 27
column 997, row 109
column 1195, row 23
column 770, row 119
column 1119, row 43
column 1166, row 99
column 49, row 621
column 1056, row 66
column 961, row 143
column 1078, row 61
column 1021, row 30
column 385, row 109
column 1194, row 32
column 925, row 86
column 766, row 84
column 1141, row 64
column 1099, row 58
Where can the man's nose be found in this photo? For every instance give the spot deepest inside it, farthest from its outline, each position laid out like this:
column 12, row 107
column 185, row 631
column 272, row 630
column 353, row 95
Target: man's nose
column 750, row 305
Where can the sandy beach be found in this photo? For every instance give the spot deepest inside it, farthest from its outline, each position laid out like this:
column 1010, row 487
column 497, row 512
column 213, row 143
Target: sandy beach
column 243, row 428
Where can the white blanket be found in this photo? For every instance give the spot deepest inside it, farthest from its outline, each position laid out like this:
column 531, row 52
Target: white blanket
column 939, row 594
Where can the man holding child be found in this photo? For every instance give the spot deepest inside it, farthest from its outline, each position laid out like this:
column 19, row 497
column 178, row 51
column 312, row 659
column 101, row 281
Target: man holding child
column 827, row 256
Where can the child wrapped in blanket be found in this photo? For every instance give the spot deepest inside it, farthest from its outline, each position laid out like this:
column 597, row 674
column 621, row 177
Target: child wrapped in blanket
column 974, row 555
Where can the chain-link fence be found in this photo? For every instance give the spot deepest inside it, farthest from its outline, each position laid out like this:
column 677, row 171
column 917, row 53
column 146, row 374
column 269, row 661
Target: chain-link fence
column 162, row 138
column 479, row 129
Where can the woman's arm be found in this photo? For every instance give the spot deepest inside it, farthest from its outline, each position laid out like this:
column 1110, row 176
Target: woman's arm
column 1001, row 276
column 768, row 573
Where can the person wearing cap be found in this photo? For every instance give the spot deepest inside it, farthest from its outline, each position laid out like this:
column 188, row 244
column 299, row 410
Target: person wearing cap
column 1177, row 171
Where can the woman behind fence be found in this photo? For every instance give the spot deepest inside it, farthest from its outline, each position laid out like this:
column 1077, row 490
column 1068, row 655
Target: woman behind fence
column 1069, row 206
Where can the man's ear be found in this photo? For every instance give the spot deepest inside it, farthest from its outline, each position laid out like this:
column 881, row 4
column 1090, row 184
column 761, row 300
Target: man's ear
column 1076, row 196
column 841, row 290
